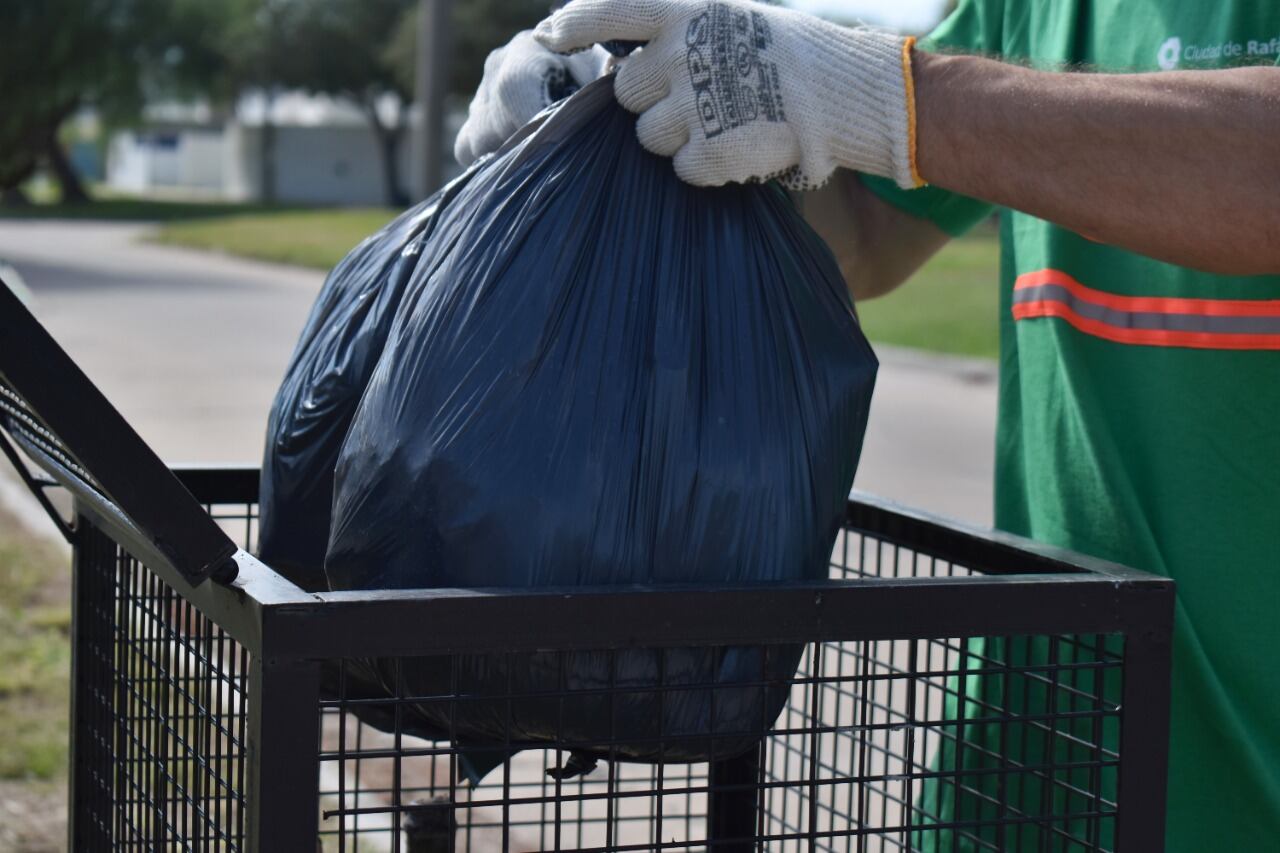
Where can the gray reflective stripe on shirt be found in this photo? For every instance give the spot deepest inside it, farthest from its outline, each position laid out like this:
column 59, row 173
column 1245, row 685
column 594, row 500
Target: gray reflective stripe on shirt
column 1149, row 320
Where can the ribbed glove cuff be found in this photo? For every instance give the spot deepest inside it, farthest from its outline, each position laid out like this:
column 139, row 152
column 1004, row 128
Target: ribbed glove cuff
column 870, row 101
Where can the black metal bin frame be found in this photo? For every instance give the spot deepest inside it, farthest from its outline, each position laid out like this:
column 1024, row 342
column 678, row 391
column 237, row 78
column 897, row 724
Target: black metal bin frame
column 217, row 714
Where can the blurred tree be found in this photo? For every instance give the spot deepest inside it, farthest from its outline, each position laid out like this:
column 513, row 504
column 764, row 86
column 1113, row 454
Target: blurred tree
column 479, row 26
column 249, row 50
column 365, row 51
column 57, row 56
column 341, row 48
column 359, row 50
column 52, row 56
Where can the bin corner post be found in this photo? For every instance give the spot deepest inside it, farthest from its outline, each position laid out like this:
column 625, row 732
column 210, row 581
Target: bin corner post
column 282, row 796
column 1144, row 733
column 93, row 559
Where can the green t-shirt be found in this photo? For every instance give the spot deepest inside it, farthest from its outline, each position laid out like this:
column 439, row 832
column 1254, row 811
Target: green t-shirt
column 1140, row 409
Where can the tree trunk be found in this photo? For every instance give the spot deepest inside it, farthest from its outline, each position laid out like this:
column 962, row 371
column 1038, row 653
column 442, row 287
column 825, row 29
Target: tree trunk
column 71, row 188
column 267, row 151
column 388, row 139
column 434, row 63
column 14, row 197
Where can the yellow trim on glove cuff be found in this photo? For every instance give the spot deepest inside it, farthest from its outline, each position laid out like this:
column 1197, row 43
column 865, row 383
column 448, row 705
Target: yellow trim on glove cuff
column 907, row 45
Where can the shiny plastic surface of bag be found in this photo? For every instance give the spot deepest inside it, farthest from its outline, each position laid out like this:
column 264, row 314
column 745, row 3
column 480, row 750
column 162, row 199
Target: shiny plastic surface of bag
column 327, row 374
column 600, row 375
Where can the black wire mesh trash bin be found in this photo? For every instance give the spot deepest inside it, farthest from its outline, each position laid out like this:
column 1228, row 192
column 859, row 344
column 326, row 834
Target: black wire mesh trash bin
column 959, row 690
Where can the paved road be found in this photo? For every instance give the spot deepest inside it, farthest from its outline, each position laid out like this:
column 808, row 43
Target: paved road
column 190, row 347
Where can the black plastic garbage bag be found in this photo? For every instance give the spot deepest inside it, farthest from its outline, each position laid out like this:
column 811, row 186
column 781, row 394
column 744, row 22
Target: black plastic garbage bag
column 599, row 375
column 331, row 364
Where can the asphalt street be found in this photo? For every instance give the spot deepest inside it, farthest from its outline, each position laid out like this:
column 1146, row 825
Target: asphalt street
column 190, row 347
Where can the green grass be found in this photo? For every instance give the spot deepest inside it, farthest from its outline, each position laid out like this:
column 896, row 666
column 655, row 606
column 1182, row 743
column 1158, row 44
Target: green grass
column 311, row 238
column 308, row 236
column 35, row 651
column 950, row 306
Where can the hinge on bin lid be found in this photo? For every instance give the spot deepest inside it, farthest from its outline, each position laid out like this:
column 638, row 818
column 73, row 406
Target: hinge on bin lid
column 62, row 423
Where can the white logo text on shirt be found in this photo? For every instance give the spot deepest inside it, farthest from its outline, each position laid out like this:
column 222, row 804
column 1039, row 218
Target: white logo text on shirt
column 1172, row 53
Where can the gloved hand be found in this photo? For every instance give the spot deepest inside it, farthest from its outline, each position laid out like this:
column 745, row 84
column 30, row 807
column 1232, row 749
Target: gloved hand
column 520, row 80
column 739, row 91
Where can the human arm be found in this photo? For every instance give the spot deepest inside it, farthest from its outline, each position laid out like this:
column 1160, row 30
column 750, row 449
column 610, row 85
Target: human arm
column 877, row 245
column 1205, row 196
column 1180, row 166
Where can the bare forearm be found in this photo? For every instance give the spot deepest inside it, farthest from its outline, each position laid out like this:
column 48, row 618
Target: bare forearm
column 876, row 245
column 1182, row 166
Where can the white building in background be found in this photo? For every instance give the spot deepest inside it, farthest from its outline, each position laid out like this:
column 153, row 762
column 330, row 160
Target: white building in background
column 325, row 152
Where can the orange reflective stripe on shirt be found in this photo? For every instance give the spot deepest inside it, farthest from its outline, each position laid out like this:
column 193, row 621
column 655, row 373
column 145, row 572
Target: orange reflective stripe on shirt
column 1149, row 320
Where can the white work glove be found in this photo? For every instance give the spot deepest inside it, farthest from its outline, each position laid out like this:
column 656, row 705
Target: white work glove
column 738, row 91
column 520, row 80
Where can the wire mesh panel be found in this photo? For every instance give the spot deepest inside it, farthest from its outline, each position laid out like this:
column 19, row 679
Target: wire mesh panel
column 997, row 743
column 936, row 745
column 160, row 709
column 925, row 744
column 1006, row 742
column 388, row 791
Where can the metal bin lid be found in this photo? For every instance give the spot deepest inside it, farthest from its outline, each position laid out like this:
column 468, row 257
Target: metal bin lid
column 64, row 425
